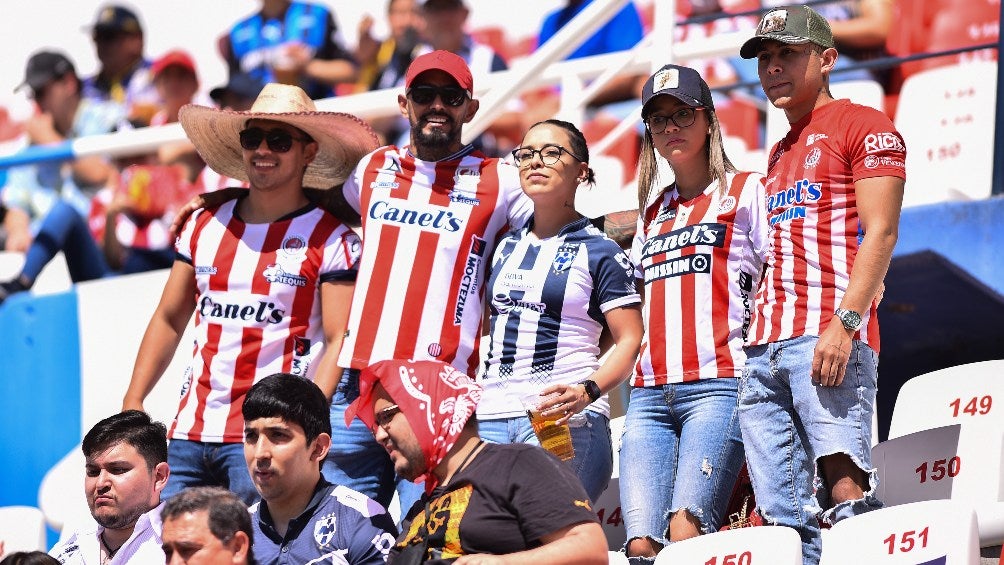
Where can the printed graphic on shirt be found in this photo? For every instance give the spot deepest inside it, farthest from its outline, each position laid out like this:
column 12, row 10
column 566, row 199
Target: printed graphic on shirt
column 442, row 524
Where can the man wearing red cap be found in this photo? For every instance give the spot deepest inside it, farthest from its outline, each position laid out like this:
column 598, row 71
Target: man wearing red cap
column 502, row 499
column 431, row 214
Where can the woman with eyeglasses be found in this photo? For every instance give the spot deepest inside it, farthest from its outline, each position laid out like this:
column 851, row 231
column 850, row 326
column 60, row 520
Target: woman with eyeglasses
column 554, row 285
column 697, row 251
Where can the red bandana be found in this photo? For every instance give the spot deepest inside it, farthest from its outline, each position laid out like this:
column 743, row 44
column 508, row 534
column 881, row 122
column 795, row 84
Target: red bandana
column 436, row 399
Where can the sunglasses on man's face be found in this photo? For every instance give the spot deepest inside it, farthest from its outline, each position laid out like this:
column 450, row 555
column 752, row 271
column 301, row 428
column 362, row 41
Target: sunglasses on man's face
column 278, row 141
column 425, row 94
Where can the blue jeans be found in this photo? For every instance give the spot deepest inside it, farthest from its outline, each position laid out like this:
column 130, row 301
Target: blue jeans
column 196, row 463
column 681, row 450
column 788, row 423
column 64, row 229
column 356, row 460
column 594, row 458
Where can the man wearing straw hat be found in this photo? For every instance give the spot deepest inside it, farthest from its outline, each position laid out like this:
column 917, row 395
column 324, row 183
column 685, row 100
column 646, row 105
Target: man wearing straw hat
column 269, row 275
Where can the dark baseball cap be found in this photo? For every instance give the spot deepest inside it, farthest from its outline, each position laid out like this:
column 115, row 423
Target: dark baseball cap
column 793, row 24
column 683, row 83
column 44, row 67
column 116, row 19
column 239, row 84
column 450, row 63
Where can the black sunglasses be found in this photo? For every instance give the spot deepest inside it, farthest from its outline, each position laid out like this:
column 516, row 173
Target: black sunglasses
column 279, row 141
column 383, row 417
column 425, row 94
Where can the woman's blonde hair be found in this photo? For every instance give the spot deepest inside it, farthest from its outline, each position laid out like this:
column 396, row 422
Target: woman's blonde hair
column 648, row 166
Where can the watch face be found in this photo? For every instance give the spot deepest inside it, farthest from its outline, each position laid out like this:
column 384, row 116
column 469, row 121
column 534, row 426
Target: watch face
column 850, row 319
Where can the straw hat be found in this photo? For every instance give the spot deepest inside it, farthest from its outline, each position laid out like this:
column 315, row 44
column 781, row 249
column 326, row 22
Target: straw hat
column 342, row 139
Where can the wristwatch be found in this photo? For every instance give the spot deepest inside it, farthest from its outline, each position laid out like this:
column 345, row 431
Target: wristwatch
column 592, row 389
column 850, row 319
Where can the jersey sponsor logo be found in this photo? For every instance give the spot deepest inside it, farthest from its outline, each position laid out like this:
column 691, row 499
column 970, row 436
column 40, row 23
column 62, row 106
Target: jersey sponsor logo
column 412, row 214
column 665, row 214
column 873, row 161
column 727, row 204
column 625, row 263
column 746, row 290
column 774, row 157
column 391, row 166
column 276, row 275
column 463, row 198
column 564, row 257
column 301, row 346
column 885, row 141
column 689, row 264
column 803, row 191
column 505, row 303
column 294, row 246
column 324, row 530
column 469, row 281
column 210, row 270
column 384, row 184
column 698, row 234
column 186, row 382
column 814, row 137
column 355, row 247
column 812, row 159
column 261, row 312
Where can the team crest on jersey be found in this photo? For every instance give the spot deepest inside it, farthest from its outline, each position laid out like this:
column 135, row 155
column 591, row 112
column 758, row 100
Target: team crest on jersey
column 324, row 530
column 467, row 177
column 812, row 159
column 727, row 204
column 814, row 137
column 565, row 256
column 276, row 275
column 435, row 350
column 294, row 246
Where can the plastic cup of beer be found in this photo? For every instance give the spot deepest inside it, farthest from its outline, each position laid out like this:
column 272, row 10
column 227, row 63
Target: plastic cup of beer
column 553, row 437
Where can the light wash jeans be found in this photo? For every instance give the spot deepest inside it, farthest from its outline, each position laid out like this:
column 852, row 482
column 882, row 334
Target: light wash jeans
column 680, row 450
column 594, row 458
column 788, row 423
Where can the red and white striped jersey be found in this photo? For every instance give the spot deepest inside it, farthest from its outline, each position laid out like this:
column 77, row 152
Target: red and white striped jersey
column 812, row 213
column 700, row 261
column 429, row 230
column 147, row 234
column 257, row 310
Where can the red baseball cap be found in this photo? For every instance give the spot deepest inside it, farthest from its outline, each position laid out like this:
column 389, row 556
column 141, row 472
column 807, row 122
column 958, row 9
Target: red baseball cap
column 175, row 58
column 445, row 61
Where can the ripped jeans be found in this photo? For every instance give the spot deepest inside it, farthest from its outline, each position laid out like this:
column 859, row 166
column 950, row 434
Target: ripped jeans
column 680, row 449
column 788, row 423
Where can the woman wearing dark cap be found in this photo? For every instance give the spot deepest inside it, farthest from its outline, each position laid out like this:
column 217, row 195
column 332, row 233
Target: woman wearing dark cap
column 697, row 251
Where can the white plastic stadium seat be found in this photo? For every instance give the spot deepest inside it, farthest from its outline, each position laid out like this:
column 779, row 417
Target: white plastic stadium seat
column 953, row 462
column 946, row 116
column 775, row 545
column 975, row 398
column 934, row 531
column 22, row 528
column 608, row 505
column 61, row 495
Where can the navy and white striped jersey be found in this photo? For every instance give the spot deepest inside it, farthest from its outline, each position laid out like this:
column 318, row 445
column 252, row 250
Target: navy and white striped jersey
column 548, row 299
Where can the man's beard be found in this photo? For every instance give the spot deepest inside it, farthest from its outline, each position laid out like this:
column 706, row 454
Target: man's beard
column 118, row 521
column 437, row 139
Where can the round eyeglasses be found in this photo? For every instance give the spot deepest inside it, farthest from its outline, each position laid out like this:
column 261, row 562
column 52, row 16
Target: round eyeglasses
column 682, row 118
column 549, row 154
